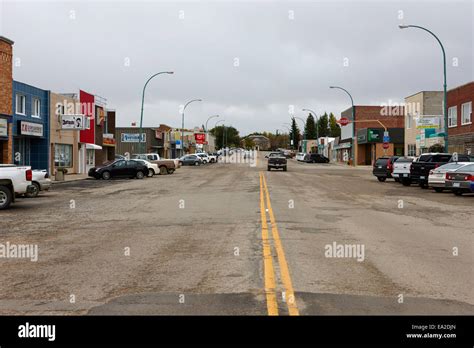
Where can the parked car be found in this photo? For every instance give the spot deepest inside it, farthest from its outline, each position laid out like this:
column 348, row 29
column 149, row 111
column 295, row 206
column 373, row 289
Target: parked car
column 462, row 158
column 316, row 158
column 276, row 160
column 205, row 158
column 190, row 160
column 383, row 167
column 300, row 156
column 461, row 181
column 40, row 181
column 14, row 180
column 420, row 170
column 401, row 169
column 152, row 167
column 120, row 169
column 437, row 177
column 165, row 166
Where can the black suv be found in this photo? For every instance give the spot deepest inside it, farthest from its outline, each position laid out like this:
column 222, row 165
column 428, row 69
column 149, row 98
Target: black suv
column 383, row 167
column 316, row 158
column 120, row 169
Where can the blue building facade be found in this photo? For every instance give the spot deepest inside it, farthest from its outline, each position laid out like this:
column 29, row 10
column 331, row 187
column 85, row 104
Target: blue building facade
column 31, row 126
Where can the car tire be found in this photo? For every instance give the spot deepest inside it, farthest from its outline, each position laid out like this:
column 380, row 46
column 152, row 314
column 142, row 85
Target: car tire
column 406, row 182
column 457, row 192
column 438, row 189
column 151, row 172
column 35, row 192
column 163, row 170
column 381, row 178
column 269, row 169
column 170, row 171
column 197, row 163
column 140, row 175
column 284, row 169
column 6, row 197
column 106, row 175
column 213, row 160
column 423, row 185
column 396, row 179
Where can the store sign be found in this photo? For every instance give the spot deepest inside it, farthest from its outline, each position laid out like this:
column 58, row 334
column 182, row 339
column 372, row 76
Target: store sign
column 200, row 138
column 72, row 122
column 3, row 127
column 29, row 128
column 373, row 135
column 133, row 138
column 108, row 139
column 178, row 144
column 425, row 122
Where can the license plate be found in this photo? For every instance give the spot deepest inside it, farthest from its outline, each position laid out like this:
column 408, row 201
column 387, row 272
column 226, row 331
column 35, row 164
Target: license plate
column 456, row 184
column 405, row 175
column 422, row 177
column 380, row 167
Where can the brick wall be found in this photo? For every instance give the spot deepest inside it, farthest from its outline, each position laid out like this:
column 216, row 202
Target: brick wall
column 6, row 84
column 391, row 117
column 457, row 97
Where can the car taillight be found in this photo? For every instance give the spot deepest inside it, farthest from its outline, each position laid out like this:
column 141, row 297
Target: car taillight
column 469, row 177
column 29, row 175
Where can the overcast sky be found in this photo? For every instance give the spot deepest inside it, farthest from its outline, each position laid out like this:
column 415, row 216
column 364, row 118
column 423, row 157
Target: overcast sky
column 248, row 61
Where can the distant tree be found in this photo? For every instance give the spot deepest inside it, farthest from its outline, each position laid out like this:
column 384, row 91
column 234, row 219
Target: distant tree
column 310, row 127
column 294, row 134
column 248, row 143
column 226, row 136
column 436, row 148
column 323, row 125
column 334, row 128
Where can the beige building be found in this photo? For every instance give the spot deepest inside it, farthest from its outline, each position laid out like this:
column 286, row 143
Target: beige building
column 63, row 143
column 424, row 103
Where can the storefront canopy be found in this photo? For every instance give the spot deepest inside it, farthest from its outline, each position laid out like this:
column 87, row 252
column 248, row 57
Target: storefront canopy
column 93, row 147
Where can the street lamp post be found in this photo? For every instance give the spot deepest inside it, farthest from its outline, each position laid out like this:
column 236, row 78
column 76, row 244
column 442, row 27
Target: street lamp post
column 207, row 132
column 143, row 102
column 445, row 107
column 317, row 127
column 353, row 125
column 182, row 124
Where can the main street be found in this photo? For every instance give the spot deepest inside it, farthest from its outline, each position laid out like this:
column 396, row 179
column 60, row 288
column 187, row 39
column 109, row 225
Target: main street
column 194, row 243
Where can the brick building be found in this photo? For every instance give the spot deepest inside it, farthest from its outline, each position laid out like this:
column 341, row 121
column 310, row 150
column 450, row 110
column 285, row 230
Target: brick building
column 460, row 126
column 369, row 133
column 6, row 88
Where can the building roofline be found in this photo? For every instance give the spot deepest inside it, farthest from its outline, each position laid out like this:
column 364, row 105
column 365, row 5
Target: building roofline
column 7, row 40
column 411, row 95
column 460, row 86
column 27, row 84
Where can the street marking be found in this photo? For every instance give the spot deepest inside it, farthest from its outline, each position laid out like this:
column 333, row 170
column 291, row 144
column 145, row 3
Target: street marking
column 269, row 273
column 285, row 273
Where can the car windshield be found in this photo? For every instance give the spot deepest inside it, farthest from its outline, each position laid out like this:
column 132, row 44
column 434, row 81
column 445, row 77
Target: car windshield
column 275, row 154
column 404, row 160
column 381, row 161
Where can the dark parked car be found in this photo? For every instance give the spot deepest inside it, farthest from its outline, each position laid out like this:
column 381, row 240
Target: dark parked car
column 383, row 167
column 420, row 170
column 120, row 169
column 276, row 160
column 316, row 158
column 190, row 160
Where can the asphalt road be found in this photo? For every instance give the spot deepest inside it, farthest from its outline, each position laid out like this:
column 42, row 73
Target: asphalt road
column 238, row 240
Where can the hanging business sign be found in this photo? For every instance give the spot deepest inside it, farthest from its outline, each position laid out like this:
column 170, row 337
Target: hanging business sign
column 72, row 122
column 29, row 128
column 424, row 122
column 200, row 138
column 133, row 138
column 3, row 127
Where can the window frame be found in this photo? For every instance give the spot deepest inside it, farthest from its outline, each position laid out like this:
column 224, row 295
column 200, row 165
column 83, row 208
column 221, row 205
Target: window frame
column 469, row 114
column 33, row 106
column 455, row 124
column 17, row 96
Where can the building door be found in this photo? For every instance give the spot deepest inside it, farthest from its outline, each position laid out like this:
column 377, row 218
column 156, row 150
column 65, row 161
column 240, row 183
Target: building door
column 22, row 155
column 90, row 159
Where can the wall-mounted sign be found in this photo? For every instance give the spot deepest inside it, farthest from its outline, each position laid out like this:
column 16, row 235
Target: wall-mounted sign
column 29, row 128
column 3, row 127
column 424, row 122
column 72, row 122
column 133, row 138
column 108, row 139
column 200, row 138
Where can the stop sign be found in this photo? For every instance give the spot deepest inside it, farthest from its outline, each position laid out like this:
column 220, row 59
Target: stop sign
column 385, row 146
column 344, row 121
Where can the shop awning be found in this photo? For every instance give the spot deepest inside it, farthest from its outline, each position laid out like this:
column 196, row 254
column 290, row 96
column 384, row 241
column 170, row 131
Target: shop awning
column 93, row 147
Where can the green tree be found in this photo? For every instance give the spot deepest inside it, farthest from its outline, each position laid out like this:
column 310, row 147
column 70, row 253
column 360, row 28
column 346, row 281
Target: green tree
column 294, row 133
column 310, row 127
column 323, row 123
column 226, row 136
column 334, row 128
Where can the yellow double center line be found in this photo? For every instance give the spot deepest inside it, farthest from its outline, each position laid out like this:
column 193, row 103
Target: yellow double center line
column 269, row 273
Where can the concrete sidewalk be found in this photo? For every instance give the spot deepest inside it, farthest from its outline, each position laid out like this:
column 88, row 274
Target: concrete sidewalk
column 70, row 178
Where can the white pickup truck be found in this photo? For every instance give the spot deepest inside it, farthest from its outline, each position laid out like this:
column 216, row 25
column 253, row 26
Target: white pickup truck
column 14, row 180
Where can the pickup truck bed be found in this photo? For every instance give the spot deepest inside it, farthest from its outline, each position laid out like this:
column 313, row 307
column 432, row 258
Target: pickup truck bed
column 14, row 180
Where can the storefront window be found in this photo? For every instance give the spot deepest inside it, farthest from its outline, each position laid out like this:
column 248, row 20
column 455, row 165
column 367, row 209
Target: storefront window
column 63, row 155
column 90, row 157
